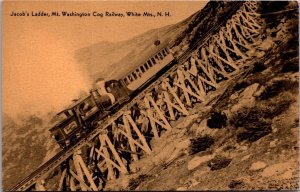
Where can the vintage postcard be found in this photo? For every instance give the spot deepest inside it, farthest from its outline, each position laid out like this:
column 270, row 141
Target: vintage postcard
column 150, row 95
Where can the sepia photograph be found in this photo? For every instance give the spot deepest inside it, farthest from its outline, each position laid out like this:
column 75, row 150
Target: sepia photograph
column 150, row 95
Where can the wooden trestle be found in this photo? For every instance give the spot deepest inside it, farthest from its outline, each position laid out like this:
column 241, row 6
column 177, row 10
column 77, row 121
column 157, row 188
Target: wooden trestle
column 108, row 155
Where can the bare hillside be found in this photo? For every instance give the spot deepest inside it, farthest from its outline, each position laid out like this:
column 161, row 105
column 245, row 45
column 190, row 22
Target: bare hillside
column 113, row 60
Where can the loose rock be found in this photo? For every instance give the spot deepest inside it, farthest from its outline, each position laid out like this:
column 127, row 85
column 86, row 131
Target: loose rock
column 273, row 143
column 245, row 157
column 197, row 161
column 257, row 166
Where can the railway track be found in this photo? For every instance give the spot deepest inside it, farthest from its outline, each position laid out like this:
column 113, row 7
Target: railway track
column 104, row 123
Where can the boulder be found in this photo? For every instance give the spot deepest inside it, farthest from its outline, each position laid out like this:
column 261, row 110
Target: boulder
column 257, row 166
column 197, row 161
column 245, row 157
column 246, row 98
column 273, row 143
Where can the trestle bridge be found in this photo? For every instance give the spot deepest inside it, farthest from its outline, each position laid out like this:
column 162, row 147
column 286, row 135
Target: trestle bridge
column 123, row 137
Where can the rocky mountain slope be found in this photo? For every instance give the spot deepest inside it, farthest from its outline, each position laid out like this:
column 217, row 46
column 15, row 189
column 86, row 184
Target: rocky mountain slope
column 201, row 23
column 245, row 136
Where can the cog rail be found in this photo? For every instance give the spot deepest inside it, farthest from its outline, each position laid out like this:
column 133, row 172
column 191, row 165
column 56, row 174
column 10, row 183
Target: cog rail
column 147, row 87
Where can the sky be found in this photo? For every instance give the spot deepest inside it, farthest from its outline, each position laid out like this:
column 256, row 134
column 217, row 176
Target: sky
column 39, row 72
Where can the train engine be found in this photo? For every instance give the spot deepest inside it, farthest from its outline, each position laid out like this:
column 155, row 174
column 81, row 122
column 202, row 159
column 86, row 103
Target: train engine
column 82, row 116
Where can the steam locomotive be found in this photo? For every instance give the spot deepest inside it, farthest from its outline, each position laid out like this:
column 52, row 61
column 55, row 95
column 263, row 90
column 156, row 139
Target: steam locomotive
column 81, row 117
